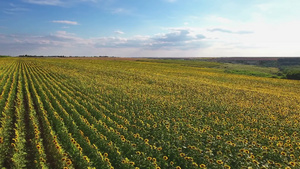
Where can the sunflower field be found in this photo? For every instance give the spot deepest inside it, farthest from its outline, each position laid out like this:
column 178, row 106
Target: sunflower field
column 127, row 113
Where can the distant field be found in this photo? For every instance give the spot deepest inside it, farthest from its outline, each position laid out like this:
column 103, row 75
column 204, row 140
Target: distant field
column 133, row 113
column 233, row 68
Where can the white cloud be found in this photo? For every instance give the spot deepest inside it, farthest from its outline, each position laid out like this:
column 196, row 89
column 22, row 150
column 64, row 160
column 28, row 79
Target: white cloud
column 45, row 2
column 180, row 38
column 230, row 31
column 14, row 9
column 119, row 32
column 65, row 22
column 62, row 3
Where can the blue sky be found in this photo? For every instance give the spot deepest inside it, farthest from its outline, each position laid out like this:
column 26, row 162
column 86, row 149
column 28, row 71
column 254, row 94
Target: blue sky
column 156, row 28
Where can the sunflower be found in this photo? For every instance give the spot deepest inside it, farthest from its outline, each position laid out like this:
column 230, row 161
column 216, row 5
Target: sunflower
column 227, row 166
column 69, row 162
column 195, row 164
column 86, row 158
column 219, row 161
column 202, row 166
column 283, row 153
column 255, row 162
column 278, row 164
column 228, row 142
column 292, row 163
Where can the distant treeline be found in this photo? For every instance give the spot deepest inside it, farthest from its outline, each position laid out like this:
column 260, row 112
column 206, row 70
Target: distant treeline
column 288, row 61
column 39, row 56
column 262, row 61
column 60, row 56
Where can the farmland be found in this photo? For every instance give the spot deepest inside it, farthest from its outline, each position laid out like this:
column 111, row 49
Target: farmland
column 128, row 113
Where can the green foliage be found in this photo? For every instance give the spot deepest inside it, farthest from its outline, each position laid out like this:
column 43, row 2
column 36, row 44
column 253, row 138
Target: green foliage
column 250, row 73
column 293, row 74
column 250, row 70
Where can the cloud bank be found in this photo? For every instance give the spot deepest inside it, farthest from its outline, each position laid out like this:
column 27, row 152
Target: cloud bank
column 229, row 31
column 65, row 22
column 62, row 41
column 261, row 40
column 45, row 2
